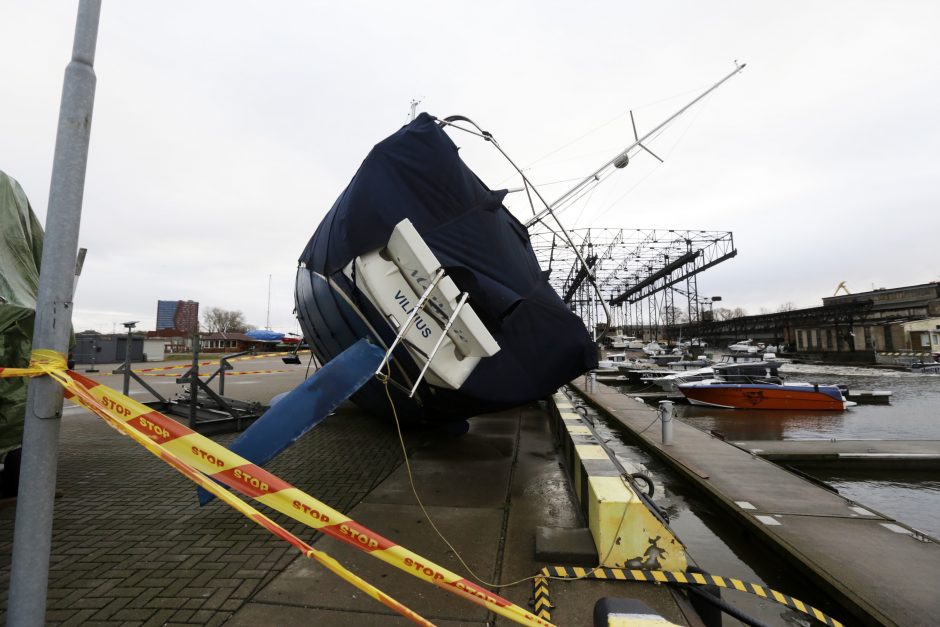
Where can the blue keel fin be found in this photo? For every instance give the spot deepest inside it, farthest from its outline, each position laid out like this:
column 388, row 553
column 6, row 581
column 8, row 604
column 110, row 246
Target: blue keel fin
column 306, row 405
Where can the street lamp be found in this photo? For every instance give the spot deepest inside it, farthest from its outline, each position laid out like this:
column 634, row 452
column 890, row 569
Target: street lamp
column 127, row 354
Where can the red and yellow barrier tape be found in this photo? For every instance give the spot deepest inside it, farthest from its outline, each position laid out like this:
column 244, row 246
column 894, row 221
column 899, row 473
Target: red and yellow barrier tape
column 171, row 440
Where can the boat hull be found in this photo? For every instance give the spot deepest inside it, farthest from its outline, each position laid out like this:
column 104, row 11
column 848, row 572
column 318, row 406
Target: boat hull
column 776, row 397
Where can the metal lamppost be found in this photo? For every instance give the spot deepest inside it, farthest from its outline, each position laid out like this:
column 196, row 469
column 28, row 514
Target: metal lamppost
column 32, row 534
column 127, row 354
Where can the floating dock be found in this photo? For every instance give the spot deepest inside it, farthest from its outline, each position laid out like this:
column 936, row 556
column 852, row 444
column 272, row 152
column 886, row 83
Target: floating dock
column 880, row 570
column 907, row 454
column 869, row 397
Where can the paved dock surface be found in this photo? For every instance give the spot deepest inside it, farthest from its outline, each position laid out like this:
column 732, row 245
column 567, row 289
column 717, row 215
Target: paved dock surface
column 849, row 453
column 132, row 547
column 882, row 571
column 486, row 491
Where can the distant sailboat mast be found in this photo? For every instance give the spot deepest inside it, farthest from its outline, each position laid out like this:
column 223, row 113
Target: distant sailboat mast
column 267, row 321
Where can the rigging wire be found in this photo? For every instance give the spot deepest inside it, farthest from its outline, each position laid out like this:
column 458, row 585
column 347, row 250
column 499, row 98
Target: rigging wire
column 384, row 377
column 617, row 117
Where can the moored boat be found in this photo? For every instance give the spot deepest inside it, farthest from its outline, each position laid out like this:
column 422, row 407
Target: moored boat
column 670, row 383
column 625, row 342
column 926, row 367
column 765, row 395
column 653, row 348
column 612, row 361
column 745, row 346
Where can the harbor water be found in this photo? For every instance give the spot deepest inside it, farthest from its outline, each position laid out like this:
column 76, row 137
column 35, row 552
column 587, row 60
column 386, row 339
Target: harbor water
column 718, row 545
column 914, row 414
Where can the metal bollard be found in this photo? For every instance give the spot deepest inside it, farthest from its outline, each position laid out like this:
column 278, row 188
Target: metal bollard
column 665, row 416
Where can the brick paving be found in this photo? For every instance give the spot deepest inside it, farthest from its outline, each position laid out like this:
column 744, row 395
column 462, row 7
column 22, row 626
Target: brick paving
column 131, row 546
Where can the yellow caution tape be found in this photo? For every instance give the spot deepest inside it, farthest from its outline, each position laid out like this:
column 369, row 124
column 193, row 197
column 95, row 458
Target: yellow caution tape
column 572, row 573
column 41, row 361
column 250, row 512
column 174, row 441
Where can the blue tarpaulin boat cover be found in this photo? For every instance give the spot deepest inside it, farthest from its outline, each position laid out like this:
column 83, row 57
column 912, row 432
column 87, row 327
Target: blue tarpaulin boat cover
column 265, row 336
column 417, row 174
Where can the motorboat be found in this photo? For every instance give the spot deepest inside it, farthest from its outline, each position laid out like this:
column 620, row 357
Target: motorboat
column 625, row 342
column 744, row 358
column 666, row 360
column 765, row 395
column 653, row 348
column 419, row 257
column 690, row 364
column 634, row 372
column 745, row 346
column 650, row 377
column 613, row 361
column 670, row 382
column 926, row 367
column 761, row 368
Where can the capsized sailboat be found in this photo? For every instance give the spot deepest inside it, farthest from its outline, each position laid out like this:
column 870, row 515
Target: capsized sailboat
column 419, row 257
column 421, row 294
column 418, row 242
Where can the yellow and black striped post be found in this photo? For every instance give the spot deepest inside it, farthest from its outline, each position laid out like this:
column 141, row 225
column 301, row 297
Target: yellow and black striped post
column 574, row 573
column 543, row 606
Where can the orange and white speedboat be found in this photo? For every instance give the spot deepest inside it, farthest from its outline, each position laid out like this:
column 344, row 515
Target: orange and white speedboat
column 765, row 395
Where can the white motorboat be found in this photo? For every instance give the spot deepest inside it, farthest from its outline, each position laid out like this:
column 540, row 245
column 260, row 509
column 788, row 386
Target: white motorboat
column 625, row 342
column 612, row 361
column 745, row 346
column 669, row 382
column 653, row 348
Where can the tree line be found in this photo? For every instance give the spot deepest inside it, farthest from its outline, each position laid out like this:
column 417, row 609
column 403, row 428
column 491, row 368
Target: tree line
column 218, row 320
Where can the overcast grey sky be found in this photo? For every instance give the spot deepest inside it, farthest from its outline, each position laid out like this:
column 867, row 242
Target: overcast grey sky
column 223, row 131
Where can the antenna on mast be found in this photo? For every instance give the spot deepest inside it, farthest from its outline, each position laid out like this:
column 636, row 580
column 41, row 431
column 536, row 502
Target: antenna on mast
column 414, row 108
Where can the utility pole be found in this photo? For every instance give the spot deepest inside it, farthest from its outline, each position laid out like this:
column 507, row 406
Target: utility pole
column 32, row 535
column 267, row 320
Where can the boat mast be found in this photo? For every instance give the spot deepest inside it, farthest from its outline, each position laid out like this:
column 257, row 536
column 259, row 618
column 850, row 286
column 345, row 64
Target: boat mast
column 623, row 156
column 267, row 321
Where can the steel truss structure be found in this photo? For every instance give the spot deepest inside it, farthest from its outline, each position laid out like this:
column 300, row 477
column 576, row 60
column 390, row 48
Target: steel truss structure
column 643, row 274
